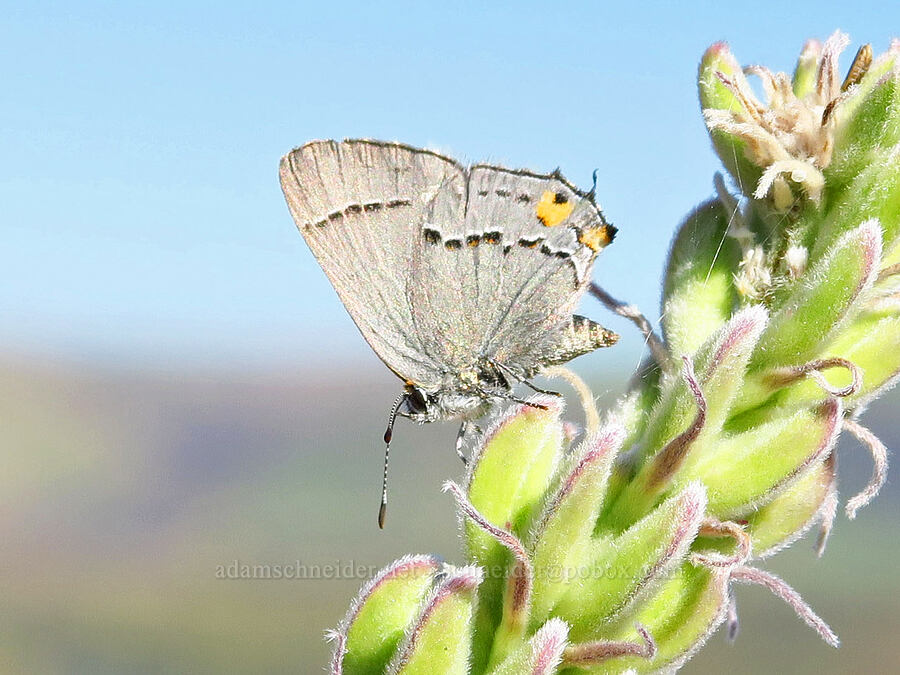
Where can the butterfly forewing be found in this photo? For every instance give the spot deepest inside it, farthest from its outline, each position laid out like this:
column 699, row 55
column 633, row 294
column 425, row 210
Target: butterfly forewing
column 360, row 206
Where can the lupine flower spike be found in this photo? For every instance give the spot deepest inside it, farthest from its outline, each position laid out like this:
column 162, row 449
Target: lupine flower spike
column 617, row 550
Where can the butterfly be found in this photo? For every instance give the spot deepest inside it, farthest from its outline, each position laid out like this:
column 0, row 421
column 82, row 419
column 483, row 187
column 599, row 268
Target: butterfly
column 463, row 280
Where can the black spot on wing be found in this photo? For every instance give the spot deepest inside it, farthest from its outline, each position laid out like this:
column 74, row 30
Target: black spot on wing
column 394, row 203
column 611, row 231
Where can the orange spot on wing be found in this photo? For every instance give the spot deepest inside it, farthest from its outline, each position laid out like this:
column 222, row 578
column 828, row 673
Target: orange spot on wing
column 553, row 208
column 595, row 238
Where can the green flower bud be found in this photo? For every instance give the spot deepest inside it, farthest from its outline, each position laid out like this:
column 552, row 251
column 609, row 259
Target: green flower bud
column 438, row 640
column 717, row 67
column 621, row 569
column 510, row 471
column 698, row 292
column 868, row 120
column 680, row 616
column 787, row 517
column 691, row 412
column 379, row 617
column 539, row 656
column 748, row 469
column 823, row 301
column 563, row 537
column 872, row 193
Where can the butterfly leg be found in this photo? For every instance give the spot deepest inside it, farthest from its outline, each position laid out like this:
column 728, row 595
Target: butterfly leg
column 632, row 313
column 515, row 399
column 539, row 390
column 461, row 440
column 506, row 370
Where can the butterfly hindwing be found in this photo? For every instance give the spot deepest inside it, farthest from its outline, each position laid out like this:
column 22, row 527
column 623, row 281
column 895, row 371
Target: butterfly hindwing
column 503, row 283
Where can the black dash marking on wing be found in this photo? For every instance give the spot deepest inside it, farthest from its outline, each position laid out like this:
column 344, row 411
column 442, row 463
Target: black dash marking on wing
column 523, row 199
column 507, row 249
column 432, row 236
column 473, row 240
column 453, row 244
column 482, row 193
column 549, row 252
column 491, row 237
column 530, row 243
column 354, row 209
column 502, row 193
column 560, row 198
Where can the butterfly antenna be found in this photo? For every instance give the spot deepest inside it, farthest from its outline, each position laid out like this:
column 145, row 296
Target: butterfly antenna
column 388, row 434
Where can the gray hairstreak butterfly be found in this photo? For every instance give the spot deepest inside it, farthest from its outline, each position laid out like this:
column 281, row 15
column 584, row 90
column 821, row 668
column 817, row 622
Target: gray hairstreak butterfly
column 463, row 280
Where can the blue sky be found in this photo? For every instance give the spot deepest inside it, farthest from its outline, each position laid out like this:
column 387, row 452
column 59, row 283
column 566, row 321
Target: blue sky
column 140, row 212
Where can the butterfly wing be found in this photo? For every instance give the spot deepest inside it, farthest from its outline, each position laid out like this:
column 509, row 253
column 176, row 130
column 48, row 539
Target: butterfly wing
column 512, row 271
column 361, row 205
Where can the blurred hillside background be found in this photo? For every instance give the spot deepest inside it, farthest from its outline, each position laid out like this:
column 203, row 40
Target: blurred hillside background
column 181, row 390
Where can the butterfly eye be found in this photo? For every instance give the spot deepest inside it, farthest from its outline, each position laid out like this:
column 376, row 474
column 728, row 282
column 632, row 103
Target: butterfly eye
column 416, row 401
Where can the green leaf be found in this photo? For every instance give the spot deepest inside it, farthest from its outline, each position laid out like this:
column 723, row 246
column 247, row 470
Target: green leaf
column 439, row 640
column 822, row 300
column 382, row 612
column 625, row 568
column 698, row 292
